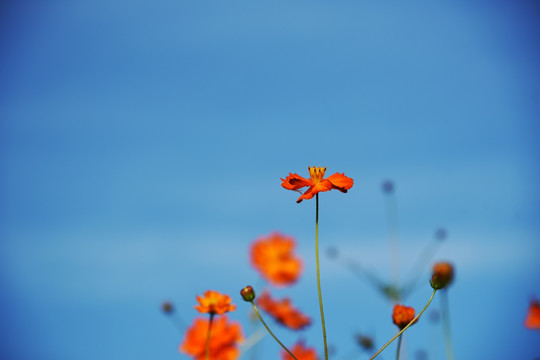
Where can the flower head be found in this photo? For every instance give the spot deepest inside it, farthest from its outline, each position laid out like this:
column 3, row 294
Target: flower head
column 283, row 311
column 532, row 321
column 223, row 342
column 443, row 274
column 214, row 302
column 301, row 352
column 273, row 256
column 403, row 315
column 316, row 183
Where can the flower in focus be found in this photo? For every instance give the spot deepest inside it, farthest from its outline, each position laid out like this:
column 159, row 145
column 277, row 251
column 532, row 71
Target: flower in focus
column 532, row 321
column 283, row 311
column 301, row 352
column 223, row 343
column 403, row 315
column 316, row 183
column 214, row 302
column 273, row 256
column 443, row 274
column 247, row 293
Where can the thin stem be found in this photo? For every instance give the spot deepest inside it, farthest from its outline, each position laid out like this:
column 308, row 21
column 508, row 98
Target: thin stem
column 406, row 327
column 399, row 346
column 207, row 351
column 271, row 333
column 446, row 326
column 319, row 274
column 393, row 236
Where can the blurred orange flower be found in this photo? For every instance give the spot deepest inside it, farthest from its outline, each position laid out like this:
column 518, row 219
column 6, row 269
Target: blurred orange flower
column 223, row 342
column 283, row 311
column 317, row 183
column 273, row 256
column 301, row 352
column 532, row 321
column 403, row 315
column 214, row 302
column 443, row 274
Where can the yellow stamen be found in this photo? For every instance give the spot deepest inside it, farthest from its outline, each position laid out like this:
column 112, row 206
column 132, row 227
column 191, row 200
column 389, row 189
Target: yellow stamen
column 316, row 173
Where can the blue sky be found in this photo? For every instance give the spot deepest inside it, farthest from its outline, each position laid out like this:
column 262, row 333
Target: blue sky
column 141, row 146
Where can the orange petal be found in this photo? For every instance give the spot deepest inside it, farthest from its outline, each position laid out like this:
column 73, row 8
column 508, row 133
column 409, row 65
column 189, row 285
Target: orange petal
column 324, row 185
column 295, row 182
column 340, row 182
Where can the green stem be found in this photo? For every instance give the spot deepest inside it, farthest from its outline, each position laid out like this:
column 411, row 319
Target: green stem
column 271, row 333
column 398, row 346
column 319, row 274
column 207, row 351
column 446, row 326
column 406, row 327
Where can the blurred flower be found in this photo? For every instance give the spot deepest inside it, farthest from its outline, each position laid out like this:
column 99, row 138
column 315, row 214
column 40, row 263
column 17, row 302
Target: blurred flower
column 273, row 256
column 214, row 302
column 248, row 294
column 366, row 342
column 317, row 183
column 167, row 307
column 223, row 343
column 403, row 315
column 301, row 352
column 532, row 321
column 283, row 311
column 443, row 274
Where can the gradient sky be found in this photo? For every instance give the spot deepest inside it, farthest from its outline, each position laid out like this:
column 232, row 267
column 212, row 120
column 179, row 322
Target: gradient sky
column 142, row 143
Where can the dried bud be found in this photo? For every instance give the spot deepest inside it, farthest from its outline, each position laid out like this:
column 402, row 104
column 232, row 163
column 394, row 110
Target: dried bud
column 248, row 294
column 167, row 307
column 403, row 315
column 366, row 342
column 443, row 274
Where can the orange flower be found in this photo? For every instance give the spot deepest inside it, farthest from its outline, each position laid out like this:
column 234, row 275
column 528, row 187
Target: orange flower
column 214, row 302
column 403, row 315
column 533, row 316
column 273, row 257
column 283, row 311
column 301, row 352
column 317, row 183
column 223, row 341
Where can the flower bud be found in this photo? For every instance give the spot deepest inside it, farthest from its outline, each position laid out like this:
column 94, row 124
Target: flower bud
column 443, row 274
column 167, row 307
column 248, row 294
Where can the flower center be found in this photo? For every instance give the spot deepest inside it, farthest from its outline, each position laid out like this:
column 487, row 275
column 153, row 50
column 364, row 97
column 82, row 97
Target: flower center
column 316, row 173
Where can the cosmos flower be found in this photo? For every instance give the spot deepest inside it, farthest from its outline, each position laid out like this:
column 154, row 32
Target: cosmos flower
column 317, row 183
column 532, row 321
column 443, row 274
column 283, row 311
column 273, row 256
column 301, row 352
column 223, row 343
column 214, row 302
column 403, row 315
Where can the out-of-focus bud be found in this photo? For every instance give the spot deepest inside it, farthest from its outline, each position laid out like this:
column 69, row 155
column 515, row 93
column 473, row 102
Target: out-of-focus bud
column 366, row 342
column 167, row 307
column 248, row 294
column 443, row 274
column 388, row 186
column 332, row 252
column 403, row 315
column 441, row 234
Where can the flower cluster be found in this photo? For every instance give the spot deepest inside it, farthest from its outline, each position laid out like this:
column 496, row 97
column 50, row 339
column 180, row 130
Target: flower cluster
column 283, row 311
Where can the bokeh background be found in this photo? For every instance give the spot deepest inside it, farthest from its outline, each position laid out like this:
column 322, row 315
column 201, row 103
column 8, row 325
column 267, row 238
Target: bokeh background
column 142, row 143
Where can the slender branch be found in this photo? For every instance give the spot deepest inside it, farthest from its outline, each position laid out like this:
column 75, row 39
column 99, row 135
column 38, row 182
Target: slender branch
column 406, row 327
column 271, row 333
column 319, row 274
column 207, row 351
column 399, row 346
column 446, row 326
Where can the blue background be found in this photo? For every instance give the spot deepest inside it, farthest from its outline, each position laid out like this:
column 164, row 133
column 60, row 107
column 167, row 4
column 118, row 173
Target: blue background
column 141, row 147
